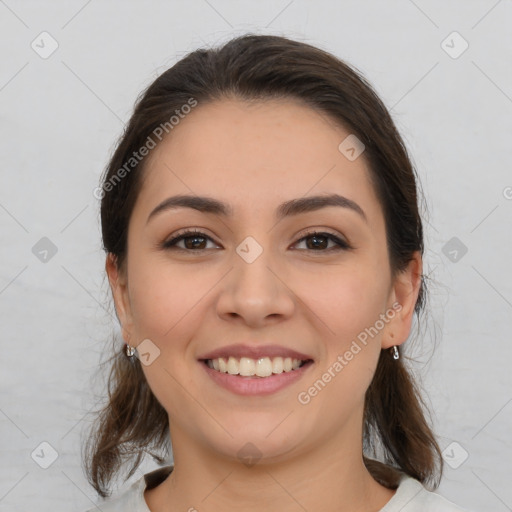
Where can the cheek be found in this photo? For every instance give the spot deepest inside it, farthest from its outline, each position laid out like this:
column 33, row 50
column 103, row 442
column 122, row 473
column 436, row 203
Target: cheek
column 345, row 298
column 349, row 302
column 165, row 298
column 166, row 307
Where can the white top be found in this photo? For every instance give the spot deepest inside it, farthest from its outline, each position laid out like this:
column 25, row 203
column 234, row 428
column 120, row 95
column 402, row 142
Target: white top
column 410, row 496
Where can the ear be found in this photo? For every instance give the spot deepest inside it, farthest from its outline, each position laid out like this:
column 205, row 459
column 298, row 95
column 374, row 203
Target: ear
column 119, row 286
column 404, row 294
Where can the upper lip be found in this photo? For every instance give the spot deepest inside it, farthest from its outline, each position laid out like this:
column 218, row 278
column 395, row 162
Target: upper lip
column 252, row 352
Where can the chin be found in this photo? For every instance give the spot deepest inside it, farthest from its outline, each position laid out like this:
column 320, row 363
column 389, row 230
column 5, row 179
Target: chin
column 261, row 442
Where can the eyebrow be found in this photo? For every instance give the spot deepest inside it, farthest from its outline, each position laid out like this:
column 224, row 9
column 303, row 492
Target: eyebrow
column 286, row 209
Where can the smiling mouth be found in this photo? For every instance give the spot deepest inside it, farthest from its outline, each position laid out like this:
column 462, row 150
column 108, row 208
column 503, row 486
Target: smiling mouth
column 261, row 367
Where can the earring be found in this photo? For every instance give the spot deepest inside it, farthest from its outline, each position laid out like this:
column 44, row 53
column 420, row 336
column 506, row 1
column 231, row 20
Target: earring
column 394, row 352
column 130, row 351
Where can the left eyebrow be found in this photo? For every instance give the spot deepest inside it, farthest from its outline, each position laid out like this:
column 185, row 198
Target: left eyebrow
column 286, row 209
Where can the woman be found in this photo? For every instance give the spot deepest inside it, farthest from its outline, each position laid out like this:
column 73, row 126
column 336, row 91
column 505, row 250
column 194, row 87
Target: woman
column 264, row 251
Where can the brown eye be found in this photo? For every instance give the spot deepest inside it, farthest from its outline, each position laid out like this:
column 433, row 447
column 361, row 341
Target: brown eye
column 192, row 240
column 319, row 242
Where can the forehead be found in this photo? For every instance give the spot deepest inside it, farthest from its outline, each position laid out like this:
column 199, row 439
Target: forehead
column 255, row 155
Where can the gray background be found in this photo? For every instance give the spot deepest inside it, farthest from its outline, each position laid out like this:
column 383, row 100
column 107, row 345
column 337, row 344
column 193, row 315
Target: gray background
column 61, row 116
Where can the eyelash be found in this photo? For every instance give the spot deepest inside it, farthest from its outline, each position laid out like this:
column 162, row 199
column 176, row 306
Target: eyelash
column 171, row 244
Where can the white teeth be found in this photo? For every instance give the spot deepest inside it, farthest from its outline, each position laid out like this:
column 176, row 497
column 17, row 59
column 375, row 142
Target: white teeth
column 277, row 365
column 233, row 366
column 264, row 367
column 248, row 367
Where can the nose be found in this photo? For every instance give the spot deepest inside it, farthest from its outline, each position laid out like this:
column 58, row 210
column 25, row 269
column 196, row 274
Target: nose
column 256, row 292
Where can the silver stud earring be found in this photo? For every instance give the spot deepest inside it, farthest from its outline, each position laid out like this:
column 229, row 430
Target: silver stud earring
column 394, row 352
column 130, row 351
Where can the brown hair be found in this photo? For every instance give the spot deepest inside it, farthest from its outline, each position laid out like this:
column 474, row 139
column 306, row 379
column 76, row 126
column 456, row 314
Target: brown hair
column 254, row 67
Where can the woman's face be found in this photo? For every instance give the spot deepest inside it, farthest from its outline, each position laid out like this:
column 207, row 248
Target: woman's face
column 256, row 286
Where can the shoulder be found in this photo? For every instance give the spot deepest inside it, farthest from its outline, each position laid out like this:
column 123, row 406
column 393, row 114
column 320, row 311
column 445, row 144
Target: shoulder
column 132, row 499
column 412, row 496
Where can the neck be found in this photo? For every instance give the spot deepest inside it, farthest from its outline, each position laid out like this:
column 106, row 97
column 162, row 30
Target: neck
column 323, row 478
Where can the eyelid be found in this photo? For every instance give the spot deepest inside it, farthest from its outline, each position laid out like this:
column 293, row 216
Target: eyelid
column 320, row 231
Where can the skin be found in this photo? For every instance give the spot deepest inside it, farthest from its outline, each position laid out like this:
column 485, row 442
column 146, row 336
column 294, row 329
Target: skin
column 254, row 157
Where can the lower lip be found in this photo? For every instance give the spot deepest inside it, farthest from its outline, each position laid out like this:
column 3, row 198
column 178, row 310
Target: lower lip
column 256, row 386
